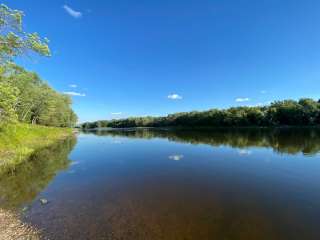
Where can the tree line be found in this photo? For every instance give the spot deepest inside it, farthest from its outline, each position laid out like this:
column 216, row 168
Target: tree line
column 24, row 96
column 304, row 112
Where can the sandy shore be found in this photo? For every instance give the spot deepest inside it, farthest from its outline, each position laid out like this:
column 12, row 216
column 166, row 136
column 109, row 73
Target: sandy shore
column 11, row 228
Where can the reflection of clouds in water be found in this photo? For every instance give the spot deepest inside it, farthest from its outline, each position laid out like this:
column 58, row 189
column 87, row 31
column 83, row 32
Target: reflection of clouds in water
column 244, row 152
column 74, row 163
column 71, row 172
column 117, row 142
column 176, row 157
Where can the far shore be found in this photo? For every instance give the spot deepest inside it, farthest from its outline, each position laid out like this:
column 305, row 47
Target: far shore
column 198, row 128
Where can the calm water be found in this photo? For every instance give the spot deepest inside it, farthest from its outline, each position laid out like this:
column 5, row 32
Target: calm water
column 147, row 184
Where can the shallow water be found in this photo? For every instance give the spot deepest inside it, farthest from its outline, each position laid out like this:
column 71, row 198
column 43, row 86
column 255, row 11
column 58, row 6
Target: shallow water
column 164, row 184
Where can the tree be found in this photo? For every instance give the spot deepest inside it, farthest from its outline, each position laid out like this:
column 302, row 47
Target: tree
column 24, row 96
column 305, row 112
column 8, row 100
column 14, row 41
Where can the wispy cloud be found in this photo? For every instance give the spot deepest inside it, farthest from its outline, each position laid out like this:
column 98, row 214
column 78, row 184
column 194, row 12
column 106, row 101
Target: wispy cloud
column 176, row 157
column 174, row 96
column 72, row 12
column 73, row 86
column 75, row 94
column 242, row 99
column 263, row 91
column 116, row 113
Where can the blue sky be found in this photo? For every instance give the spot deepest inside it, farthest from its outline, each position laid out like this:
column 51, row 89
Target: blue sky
column 136, row 58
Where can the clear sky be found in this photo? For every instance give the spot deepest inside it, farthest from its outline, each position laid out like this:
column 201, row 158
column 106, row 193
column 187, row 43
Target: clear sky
column 135, row 58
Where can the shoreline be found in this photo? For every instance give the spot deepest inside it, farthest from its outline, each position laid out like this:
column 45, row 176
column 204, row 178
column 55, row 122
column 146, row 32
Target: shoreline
column 12, row 228
column 17, row 144
column 19, row 141
column 199, row 128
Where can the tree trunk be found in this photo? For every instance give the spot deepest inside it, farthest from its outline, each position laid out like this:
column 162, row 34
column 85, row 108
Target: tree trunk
column 34, row 120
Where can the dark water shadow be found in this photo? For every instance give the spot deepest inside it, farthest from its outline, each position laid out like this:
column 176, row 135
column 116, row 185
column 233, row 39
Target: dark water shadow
column 281, row 140
column 31, row 177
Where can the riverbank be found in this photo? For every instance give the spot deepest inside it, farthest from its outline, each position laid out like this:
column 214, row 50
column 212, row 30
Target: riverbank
column 19, row 141
column 11, row 228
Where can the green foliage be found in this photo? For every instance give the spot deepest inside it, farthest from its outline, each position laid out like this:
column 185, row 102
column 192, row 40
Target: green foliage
column 8, row 101
column 305, row 112
column 24, row 96
column 27, row 98
column 13, row 40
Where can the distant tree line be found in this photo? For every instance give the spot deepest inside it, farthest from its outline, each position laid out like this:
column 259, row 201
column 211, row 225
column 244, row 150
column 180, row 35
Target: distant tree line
column 24, row 97
column 305, row 112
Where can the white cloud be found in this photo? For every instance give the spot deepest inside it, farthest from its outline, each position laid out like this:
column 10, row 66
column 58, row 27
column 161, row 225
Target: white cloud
column 116, row 113
column 176, row 157
column 75, row 94
column 72, row 12
column 74, row 163
column 263, row 91
column 242, row 99
column 175, row 96
column 73, row 86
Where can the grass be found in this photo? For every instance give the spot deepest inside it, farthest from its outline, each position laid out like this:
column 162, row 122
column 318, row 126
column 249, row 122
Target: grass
column 19, row 141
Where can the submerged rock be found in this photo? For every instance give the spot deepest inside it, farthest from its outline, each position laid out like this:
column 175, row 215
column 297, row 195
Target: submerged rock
column 25, row 208
column 43, row 201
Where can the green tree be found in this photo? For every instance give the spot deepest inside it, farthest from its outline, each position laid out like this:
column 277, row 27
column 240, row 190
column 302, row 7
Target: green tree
column 26, row 97
column 305, row 112
column 8, row 101
column 13, row 40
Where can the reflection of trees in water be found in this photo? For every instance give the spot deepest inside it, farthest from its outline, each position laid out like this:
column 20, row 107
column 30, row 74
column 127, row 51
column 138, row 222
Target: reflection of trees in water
column 31, row 177
column 282, row 140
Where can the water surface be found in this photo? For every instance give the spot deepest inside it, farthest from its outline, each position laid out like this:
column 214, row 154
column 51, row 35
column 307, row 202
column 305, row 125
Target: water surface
column 164, row 184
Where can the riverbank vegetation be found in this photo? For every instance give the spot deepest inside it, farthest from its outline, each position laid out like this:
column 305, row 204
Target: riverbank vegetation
column 24, row 96
column 305, row 112
column 19, row 141
column 29, row 107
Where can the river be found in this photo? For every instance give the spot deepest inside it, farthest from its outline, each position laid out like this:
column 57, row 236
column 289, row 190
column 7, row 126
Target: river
column 235, row 184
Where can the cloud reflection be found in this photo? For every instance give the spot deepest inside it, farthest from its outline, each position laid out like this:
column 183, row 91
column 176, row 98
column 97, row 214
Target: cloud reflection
column 244, row 152
column 176, row 157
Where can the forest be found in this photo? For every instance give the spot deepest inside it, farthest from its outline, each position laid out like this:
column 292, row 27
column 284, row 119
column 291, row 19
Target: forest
column 304, row 112
column 24, row 96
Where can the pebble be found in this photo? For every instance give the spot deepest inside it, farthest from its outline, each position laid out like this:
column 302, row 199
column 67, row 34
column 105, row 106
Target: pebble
column 43, row 201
